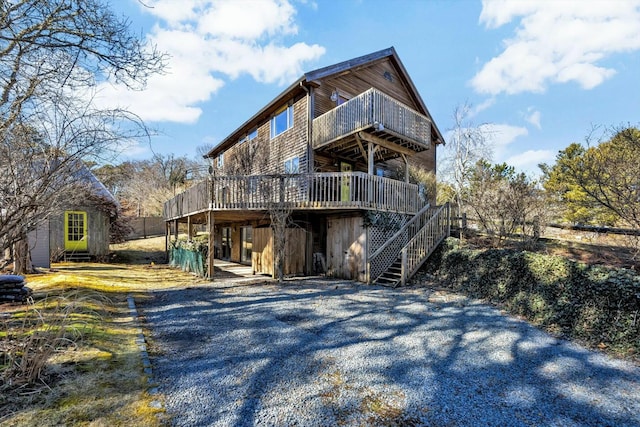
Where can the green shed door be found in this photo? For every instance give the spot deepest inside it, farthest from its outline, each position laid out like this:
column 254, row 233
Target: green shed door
column 75, row 234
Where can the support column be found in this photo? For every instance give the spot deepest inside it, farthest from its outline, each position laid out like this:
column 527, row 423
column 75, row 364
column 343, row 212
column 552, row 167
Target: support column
column 370, row 171
column 189, row 230
column 167, row 233
column 370, row 160
column 406, row 168
column 212, row 245
column 175, row 228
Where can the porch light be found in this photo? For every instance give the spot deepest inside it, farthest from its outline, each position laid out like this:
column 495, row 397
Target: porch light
column 378, row 126
column 334, row 96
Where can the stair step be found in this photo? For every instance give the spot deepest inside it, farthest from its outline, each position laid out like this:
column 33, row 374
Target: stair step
column 390, row 274
column 383, row 282
column 76, row 256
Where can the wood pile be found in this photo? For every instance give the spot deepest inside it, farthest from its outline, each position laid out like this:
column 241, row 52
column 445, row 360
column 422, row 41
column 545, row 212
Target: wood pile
column 13, row 289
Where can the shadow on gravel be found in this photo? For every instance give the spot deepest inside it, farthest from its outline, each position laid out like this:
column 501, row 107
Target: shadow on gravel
column 338, row 353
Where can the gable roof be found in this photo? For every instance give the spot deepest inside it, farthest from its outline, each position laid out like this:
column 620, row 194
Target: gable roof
column 97, row 187
column 310, row 79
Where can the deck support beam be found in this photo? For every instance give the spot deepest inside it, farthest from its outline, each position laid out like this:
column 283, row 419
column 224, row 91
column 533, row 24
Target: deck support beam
column 167, row 237
column 370, row 160
column 385, row 144
column 211, row 245
column 406, row 168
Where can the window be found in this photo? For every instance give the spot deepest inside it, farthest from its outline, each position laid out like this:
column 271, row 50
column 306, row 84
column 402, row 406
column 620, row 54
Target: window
column 221, row 161
column 292, row 165
column 250, row 136
column 282, row 121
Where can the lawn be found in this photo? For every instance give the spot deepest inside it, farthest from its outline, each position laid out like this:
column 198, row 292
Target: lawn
column 70, row 357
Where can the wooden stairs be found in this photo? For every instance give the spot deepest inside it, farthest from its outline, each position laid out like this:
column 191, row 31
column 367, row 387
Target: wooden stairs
column 392, row 276
column 77, row 256
column 400, row 257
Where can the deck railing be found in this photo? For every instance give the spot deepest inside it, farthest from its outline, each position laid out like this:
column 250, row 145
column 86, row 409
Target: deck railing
column 425, row 241
column 371, row 109
column 332, row 190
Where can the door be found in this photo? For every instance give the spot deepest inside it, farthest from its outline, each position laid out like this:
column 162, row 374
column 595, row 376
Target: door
column 345, row 190
column 247, row 244
column 75, row 235
column 226, row 243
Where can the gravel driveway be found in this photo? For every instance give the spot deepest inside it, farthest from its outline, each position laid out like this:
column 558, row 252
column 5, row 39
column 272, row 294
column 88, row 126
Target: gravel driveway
column 326, row 353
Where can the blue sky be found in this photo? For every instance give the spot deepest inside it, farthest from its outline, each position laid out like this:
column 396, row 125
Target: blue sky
column 539, row 74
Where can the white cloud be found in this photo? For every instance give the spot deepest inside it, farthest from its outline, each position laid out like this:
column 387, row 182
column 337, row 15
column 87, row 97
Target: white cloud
column 247, row 20
column 488, row 103
column 500, row 136
column 133, row 149
column 529, row 160
column 211, row 42
column 556, row 42
column 533, row 116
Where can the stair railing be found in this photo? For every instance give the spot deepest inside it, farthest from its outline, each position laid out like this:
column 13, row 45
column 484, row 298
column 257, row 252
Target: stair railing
column 379, row 261
column 424, row 242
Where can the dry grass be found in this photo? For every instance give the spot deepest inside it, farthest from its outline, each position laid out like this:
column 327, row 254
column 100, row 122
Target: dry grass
column 70, row 358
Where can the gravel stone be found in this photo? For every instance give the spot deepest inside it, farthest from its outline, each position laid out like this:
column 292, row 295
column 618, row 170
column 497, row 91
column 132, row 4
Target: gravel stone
column 325, row 353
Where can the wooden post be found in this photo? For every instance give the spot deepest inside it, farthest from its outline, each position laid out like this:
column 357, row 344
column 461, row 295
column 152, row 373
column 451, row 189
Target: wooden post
column 175, row 229
column 189, row 231
column 403, row 270
column 212, row 246
column 167, row 233
column 406, row 168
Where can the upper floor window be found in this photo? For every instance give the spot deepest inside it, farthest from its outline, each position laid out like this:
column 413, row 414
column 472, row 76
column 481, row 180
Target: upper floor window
column 250, row 136
column 282, row 120
column 220, row 160
column 292, row 165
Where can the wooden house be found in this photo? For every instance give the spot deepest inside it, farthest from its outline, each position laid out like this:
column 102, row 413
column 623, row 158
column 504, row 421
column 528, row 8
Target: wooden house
column 80, row 231
column 333, row 151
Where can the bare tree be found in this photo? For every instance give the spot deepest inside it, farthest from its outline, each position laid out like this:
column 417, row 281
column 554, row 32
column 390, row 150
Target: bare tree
column 142, row 186
column 467, row 144
column 53, row 53
column 245, row 158
column 505, row 202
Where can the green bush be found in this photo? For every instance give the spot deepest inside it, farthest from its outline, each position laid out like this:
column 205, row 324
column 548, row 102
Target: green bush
column 599, row 306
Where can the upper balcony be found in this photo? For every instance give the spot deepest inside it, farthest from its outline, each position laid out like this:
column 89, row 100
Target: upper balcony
column 316, row 191
column 377, row 114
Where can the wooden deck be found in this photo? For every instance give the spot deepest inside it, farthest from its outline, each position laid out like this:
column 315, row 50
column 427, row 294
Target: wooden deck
column 318, row 191
column 373, row 111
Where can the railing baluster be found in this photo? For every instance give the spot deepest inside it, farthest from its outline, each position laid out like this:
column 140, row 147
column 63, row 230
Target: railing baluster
column 319, row 190
column 363, row 111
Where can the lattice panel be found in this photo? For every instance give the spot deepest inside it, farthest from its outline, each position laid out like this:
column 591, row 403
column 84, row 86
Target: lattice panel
column 388, row 256
column 380, row 235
